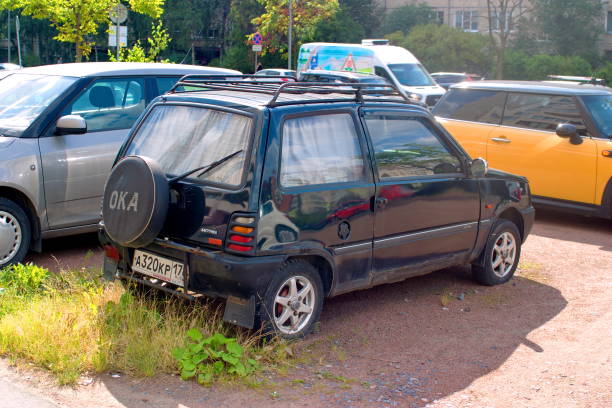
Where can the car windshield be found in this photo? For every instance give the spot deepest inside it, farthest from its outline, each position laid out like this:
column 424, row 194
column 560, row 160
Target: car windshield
column 373, row 80
column 411, row 75
column 600, row 107
column 24, row 96
column 181, row 138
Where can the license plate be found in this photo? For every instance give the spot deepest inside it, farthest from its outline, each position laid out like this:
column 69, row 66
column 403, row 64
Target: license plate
column 159, row 267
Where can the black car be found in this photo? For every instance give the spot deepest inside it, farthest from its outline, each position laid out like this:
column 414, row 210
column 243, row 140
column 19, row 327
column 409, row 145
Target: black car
column 277, row 196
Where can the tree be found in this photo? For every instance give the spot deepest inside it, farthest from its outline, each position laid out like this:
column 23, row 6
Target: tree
column 502, row 16
column 443, row 48
column 340, row 28
column 158, row 41
column 77, row 19
column 406, row 17
column 273, row 23
column 570, row 25
column 368, row 14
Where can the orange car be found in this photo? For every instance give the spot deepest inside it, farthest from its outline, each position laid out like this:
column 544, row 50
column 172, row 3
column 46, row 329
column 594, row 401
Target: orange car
column 559, row 136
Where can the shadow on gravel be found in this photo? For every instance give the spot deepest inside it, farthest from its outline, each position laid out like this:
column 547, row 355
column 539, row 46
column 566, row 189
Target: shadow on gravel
column 391, row 346
column 576, row 228
column 71, row 252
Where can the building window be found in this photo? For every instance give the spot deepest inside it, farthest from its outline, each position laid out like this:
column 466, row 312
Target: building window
column 466, row 20
column 609, row 25
column 440, row 16
column 498, row 20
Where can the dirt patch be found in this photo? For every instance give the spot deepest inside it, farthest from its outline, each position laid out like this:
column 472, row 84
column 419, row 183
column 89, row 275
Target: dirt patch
column 542, row 340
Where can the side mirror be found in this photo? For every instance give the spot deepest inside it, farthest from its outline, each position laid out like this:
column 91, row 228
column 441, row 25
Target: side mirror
column 567, row 130
column 71, row 125
column 479, row 167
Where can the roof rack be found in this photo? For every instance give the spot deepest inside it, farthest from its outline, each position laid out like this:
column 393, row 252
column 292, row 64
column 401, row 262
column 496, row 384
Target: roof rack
column 278, row 86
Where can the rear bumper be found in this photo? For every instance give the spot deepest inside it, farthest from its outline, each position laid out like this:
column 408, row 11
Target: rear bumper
column 528, row 215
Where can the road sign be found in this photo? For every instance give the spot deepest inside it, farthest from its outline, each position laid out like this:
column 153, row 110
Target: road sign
column 257, row 48
column 257, row 39
column 112, row 36
column 118, row 14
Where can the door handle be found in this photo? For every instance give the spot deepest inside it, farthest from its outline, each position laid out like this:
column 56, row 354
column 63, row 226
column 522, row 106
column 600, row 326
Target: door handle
column 381, row 202
column 501, row 139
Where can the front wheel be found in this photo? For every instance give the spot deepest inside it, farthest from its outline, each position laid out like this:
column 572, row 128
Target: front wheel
column 15, row 233
column 501, row 254
column 293, row 301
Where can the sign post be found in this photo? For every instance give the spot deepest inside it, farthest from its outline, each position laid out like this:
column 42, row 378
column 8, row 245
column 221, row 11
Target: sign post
column 118, row 15
column 257, row 47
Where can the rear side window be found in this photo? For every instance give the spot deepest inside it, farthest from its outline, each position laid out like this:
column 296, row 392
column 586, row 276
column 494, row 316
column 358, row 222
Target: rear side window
column 407, row 147
column 472, row 105
column 321, row 149
column 182, row 138
column 542, row 112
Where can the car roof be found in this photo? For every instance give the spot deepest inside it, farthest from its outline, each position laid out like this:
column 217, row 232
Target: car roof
column 537, row 87
column 98, row 69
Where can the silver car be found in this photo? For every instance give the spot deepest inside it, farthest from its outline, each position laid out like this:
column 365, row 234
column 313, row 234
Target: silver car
column 60, row 129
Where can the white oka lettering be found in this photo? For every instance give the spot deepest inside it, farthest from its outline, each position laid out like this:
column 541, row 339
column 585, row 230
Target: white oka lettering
column 118, row 198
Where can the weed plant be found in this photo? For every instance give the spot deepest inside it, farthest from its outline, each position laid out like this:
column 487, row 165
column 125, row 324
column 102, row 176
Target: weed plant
column 72, row 323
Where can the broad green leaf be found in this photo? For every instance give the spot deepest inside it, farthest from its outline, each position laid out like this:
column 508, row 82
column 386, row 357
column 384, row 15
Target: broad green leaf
column 234, row 348
column 195, row 334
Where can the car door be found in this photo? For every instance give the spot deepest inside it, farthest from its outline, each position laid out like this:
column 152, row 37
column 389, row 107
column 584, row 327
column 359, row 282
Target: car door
column 75, row 167
column 526, row 144
column 426, row 207
column 322, row 195
column 470, row 115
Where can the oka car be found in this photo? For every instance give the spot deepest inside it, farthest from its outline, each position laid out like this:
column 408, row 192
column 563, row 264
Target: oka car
column 277, row 197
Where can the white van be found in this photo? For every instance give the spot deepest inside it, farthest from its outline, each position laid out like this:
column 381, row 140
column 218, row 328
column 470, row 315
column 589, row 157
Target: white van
column 396, row 64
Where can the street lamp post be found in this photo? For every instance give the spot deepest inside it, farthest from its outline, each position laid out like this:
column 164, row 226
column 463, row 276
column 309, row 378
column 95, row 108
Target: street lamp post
column 290, row 39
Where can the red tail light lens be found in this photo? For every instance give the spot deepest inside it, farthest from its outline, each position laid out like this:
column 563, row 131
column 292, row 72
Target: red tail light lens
column 240, row 248
column 239, row 238
column 112, row 253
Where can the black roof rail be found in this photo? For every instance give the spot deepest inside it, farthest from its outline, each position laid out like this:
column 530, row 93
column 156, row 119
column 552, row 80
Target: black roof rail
column 276, row 86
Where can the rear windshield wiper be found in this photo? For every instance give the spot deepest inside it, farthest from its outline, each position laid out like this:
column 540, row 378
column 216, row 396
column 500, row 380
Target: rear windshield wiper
column 205, row 169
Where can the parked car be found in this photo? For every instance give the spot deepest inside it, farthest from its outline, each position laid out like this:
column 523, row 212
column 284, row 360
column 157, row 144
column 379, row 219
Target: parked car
column 559, row 136
column 60, row 129
column 311, row 194
column 271, row 73
column 446, row 79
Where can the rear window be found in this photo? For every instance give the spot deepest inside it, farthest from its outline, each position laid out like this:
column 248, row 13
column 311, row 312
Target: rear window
column 472, row 105
column 182, row 138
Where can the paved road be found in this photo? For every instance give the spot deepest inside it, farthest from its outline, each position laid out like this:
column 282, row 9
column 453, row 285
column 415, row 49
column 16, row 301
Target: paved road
column 12, row 396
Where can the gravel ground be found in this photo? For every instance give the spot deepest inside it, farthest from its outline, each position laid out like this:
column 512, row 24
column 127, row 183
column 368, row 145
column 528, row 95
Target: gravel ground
column 542, row 340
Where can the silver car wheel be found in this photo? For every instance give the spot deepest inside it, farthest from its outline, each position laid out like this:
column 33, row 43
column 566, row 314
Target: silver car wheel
column 294, row 305
column 504, row 254
column 10, row 237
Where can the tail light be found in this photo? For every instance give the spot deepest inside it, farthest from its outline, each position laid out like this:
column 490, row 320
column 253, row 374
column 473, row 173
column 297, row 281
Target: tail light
column 241, row 234
column 112, row 253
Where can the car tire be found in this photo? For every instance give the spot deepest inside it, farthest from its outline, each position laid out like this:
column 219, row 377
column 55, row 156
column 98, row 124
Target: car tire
column 293, row 301
column 500, row 256
column 15, row 233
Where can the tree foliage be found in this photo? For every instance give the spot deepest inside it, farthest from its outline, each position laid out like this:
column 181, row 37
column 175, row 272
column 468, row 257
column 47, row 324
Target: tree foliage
column 77, row 19
column 158, row 42
column 273, row 23
column 518, row 65
column 406, row 17
column 443, row 48
column 571, row 26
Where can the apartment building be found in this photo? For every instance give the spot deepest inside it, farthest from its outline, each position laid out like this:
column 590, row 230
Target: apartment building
column 472, row 15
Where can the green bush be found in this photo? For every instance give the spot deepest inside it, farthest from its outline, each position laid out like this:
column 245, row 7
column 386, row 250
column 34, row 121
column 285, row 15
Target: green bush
column 23, row 279
column 535, row 68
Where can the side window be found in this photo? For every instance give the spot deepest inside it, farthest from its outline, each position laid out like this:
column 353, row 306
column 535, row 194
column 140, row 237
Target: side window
column 408, row 147
column 381, row 72
column 109, row 104
column 542, row 112
column 472, row 105
column 321, row 149
column 165, row 83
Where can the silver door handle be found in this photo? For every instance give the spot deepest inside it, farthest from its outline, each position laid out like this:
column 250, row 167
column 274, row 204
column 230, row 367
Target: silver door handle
column 501, row 139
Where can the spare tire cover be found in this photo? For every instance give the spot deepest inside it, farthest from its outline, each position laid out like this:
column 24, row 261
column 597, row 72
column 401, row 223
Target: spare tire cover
column 135, row 201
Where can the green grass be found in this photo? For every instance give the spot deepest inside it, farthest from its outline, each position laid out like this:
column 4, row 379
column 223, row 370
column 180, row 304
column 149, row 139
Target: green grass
column 72, row 323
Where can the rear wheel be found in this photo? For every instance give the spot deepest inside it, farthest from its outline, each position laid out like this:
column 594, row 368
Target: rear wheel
column 15, row 233
column 501, row 254
column 293, row 301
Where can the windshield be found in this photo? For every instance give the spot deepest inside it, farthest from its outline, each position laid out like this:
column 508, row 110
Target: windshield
column 24, row 96
column 411, row 75
column 182, row 138
column 600, row 107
